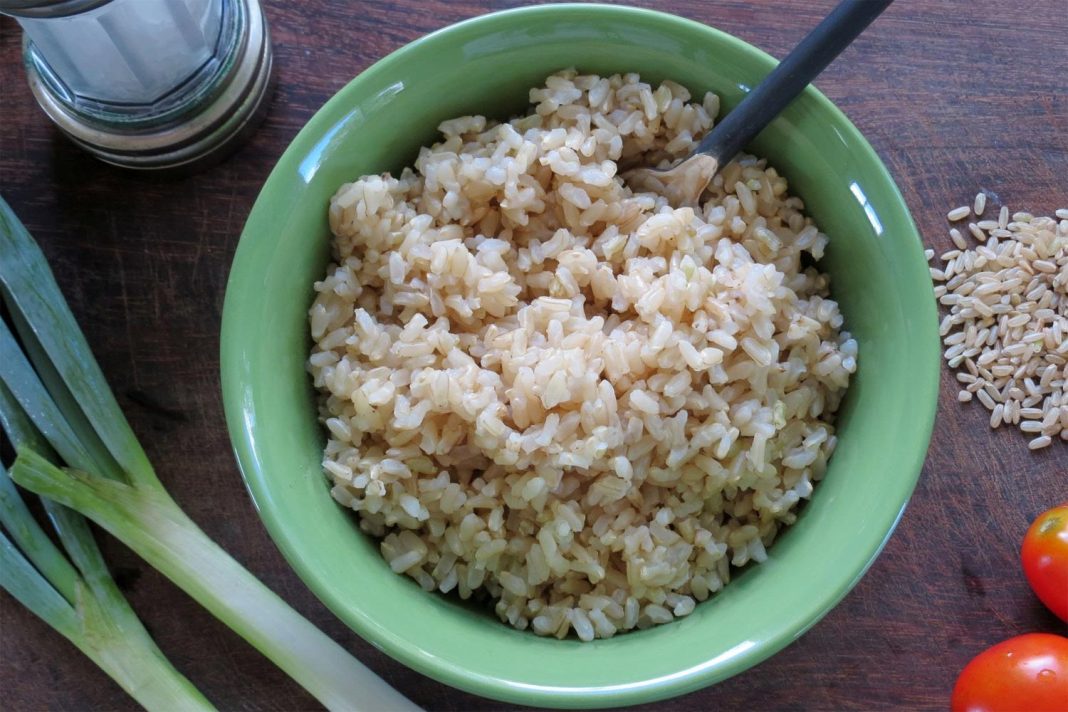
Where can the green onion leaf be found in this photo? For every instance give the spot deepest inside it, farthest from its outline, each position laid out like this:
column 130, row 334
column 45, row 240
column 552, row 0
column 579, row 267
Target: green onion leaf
column 57, row 390
column 31, row 287
column 33, row 541
column 73, row 532
column 19, row 377
column 19, row 578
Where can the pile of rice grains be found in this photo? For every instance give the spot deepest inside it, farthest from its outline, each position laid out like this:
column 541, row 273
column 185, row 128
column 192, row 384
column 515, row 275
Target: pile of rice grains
column 542, row 386
column 1006, row 330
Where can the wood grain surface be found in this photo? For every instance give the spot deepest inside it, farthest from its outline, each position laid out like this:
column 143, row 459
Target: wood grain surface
column 954, row 96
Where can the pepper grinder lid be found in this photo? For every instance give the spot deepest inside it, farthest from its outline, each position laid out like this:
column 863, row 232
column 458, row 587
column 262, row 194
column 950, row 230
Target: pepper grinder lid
column 48, row 8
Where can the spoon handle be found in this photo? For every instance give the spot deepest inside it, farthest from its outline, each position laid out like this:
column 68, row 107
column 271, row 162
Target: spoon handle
column 778, row 89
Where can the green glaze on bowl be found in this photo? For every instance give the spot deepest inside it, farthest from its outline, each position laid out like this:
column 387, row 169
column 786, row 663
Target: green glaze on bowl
column 486, row 65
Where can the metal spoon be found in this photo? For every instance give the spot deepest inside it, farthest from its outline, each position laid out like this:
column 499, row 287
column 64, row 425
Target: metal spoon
column 683, row 183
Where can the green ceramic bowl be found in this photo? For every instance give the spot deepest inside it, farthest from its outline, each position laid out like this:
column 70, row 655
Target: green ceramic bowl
column 486, row 65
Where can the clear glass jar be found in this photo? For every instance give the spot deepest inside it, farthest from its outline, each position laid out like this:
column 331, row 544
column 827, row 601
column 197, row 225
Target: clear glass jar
column 130, row 53
column 146, row 83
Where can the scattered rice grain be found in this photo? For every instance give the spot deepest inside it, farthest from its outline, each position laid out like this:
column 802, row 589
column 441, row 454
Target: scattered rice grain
column 958, row 213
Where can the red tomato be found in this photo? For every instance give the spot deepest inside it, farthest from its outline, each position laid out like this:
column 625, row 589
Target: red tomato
column 1026, row 673
column 1045, row 559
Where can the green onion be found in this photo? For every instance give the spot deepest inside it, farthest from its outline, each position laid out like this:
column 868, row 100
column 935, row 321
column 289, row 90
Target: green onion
column 110, row 480
column 81, row 601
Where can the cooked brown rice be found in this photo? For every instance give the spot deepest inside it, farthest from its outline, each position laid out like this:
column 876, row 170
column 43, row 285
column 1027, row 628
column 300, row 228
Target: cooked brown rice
column 576, row 399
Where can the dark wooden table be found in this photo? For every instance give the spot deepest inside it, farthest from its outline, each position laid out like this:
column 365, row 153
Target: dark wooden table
column 954, row 97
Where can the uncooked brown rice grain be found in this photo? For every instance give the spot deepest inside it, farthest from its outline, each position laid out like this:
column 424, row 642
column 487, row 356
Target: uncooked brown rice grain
column 1007, row 320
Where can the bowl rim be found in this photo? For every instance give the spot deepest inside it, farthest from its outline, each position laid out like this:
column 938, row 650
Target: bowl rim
column 258, row 485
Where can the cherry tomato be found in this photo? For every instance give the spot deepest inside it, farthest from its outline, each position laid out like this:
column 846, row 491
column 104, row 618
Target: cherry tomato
column 1028, row 672
column 1045, row 559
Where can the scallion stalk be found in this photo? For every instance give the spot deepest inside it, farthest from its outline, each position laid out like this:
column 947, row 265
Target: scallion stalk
column 111, row 481
column 79, row 600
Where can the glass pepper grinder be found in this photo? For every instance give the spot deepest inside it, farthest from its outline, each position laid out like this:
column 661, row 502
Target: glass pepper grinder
column 148, row 84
